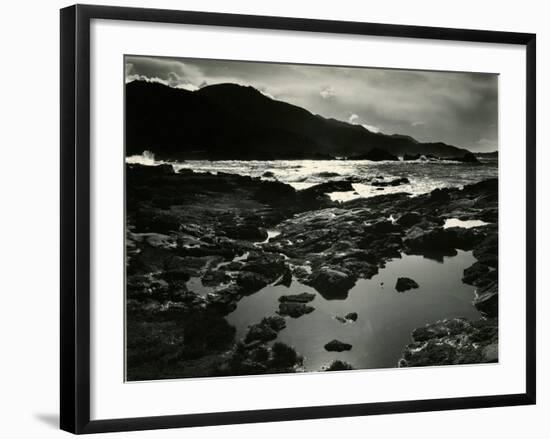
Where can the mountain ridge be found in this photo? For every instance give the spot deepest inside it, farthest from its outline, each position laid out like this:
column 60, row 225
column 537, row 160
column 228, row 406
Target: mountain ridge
column 231, row 121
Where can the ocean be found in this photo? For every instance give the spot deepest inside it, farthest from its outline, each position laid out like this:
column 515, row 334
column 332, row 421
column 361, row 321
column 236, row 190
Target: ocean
column 423, row 175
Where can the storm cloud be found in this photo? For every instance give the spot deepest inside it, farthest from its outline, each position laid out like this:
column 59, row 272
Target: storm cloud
column 456, row 108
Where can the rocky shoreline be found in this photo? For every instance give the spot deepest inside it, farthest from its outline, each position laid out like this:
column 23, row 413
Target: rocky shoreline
column 197, row 243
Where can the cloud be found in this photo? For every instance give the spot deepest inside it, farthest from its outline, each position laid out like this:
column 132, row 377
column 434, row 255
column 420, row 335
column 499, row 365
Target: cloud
column 170, row 82
column 455, row 108
column 371, row 128
column 327, row 92
column 164, row 71
column 355, row 120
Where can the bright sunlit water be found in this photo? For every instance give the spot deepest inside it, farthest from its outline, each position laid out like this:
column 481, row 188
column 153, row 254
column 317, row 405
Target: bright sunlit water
column 424, row 176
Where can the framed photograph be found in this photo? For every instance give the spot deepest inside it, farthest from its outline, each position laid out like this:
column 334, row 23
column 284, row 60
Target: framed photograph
column 268, row 218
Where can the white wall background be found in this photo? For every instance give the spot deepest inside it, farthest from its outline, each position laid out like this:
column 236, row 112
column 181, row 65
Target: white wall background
column 29, row 249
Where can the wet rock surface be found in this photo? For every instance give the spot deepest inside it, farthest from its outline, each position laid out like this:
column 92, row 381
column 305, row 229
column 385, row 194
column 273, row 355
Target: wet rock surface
column 294, row 309
column 337, row 346
column 348, row 318
column 197, row 244
column 453, row 341
column 299, row 298
column 405, row 284
column 338, row 365
column 266, row 330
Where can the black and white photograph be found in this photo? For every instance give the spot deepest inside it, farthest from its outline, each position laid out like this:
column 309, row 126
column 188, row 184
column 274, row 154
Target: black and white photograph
column 286, row 218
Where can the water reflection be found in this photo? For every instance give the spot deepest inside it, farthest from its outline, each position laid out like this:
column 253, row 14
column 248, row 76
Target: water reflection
column 385, row 317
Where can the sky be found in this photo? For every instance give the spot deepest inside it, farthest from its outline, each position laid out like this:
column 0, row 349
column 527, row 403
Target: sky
column 460, row 109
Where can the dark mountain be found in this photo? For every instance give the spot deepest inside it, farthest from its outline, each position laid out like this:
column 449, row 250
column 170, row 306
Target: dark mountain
column 487, row 155
column 229, row 121
column 375, row 155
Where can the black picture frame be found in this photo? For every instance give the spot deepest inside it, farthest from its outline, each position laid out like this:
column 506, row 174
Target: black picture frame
column 75, row 217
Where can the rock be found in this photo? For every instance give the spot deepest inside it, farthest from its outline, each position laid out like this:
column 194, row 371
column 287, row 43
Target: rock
column 248, row 232
column 260, row 332
column 439, row 240
column 337, row 346
column 462, row 238
column 452, row 341
column 439, row 329
column 284, row 356
column 266, row 330
column 466, row 158
column 324, row 188
column 300, row 298
column 440, row 195
column 409, row 157
column 349, row 317
column 486, row 301
column 487, row 250
column 268, row 174
column 274, row 192
column 215, row 278
column 331, row 283
column 270, row 266
column 352, row 316
column 286, row 279
column 294, row 309
column 327, row 174
column 251, row 282
column 395, row 182
column 382, row 227
column 175, row 275
column 338, row 365
column 490, row 353
column 259, row 354
column 376, row 155
column 142, row 171
column 275, row 322
column 409, row 219
column 479, row 275
column 256, row 358
column 420, row 241
column 404, row 284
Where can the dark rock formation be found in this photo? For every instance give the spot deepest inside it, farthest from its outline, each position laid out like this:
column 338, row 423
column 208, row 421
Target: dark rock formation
column 294, row 309
column 286, row 278
column 266, row 330
column 466, row 158
column 332, row 283
column 193, row 252
column 251, row 282
column 375, row 155
column 453, row 341
column 338, row 365
column 394, row 182
column 486, row 300
column 404, row 284
column 324, row 188
column 409, row 219
column 337, row 346
column 352, row 316
column 256, row 358
column 348, row 318
column 298, row 298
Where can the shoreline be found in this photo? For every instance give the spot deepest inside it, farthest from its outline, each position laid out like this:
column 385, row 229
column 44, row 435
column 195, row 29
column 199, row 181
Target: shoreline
column 182, row 226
